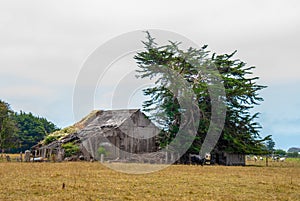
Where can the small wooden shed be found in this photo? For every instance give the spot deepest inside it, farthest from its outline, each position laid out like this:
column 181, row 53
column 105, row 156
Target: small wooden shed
column 229, row 159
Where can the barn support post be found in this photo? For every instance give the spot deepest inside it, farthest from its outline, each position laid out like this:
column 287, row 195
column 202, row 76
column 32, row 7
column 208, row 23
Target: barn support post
column 117, row 147
column 131, row 144
column 172, row 157
column 166, row 157
column 44, row 152
column 59, row 155
column 50, row 154
column 147, row 142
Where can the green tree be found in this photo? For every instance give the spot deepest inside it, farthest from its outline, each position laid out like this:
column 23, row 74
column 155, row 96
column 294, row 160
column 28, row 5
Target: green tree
column 241, row 131
column 270, row 144
column 8, row 129
column 280, row 152
column 32, row 129
column 102, row 150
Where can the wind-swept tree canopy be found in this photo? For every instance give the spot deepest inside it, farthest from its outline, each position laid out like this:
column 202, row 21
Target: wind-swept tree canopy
column 241, row 130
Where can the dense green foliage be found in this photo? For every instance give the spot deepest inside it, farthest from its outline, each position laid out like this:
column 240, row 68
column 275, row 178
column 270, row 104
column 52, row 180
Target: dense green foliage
column 102, row 150
column 241, row 131
column 20, row 131
column 8, row 128
column 70, row 149
column 280, row 152
column 270, row 144
column 32, row 129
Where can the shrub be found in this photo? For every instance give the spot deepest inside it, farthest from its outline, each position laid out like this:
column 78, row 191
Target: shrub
column 102, row 150
column 70, row 149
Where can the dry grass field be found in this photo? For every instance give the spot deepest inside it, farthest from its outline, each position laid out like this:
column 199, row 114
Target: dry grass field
column 93, row 181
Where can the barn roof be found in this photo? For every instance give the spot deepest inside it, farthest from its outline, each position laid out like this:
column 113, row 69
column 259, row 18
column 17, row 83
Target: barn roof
column 105, row 121
column 97, row 121
column 112, row 118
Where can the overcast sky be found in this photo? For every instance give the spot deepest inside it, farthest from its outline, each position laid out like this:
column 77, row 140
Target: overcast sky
column 43, row 45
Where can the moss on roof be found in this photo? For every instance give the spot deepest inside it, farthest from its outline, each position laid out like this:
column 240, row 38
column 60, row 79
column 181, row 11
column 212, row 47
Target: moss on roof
column 58, row 135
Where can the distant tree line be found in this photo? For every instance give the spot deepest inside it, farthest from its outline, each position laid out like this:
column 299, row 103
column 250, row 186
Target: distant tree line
column 19, row 131
column 291, row 153
column 284, row 153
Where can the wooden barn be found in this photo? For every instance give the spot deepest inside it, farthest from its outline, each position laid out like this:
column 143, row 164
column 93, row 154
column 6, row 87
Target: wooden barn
column 114, row 133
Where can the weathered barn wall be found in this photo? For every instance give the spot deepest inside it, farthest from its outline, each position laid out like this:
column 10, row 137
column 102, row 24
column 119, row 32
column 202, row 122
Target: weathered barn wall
column 119, row 133
column 139, row 134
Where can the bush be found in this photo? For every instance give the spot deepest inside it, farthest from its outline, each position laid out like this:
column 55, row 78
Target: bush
column 280, row 152
column 102, row 150
column 70, row 149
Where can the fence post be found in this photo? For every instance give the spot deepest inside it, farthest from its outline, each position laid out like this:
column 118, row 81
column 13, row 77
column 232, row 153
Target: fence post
column 27, row 156
column 102, row 158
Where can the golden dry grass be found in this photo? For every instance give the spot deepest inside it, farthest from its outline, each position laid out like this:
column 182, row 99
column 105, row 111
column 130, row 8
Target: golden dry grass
column 93, row 181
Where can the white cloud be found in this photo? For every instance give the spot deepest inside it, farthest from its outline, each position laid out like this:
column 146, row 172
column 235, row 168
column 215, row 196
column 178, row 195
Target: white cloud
column 27, row 92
